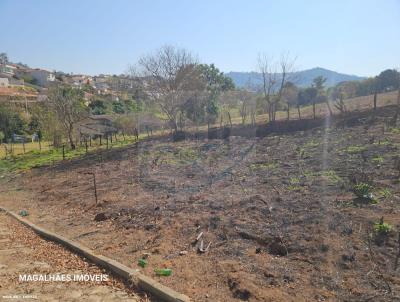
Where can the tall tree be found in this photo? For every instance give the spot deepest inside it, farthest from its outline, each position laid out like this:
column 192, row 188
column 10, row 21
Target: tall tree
column 268, row 73
column 216, row 83
column 275, row 75
column 308, row 95
column 172, row 79
column 3, row 58
column 68, row 105
column 319, row 85
column 290, row 95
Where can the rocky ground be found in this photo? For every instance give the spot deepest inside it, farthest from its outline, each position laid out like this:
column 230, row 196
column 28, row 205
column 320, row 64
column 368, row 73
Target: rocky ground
column 254, row 219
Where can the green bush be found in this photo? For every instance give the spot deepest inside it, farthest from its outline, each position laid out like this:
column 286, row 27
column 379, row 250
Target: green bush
column 363, row 191
column 382, row 228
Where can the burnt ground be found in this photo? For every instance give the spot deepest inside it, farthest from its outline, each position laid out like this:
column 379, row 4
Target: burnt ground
column 277, row 213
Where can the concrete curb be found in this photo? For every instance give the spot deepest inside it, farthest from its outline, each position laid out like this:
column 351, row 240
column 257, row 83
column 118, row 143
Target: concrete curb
column 141, row 281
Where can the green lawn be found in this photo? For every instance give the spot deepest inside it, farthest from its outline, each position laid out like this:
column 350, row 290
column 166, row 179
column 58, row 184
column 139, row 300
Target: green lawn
column 36, row 158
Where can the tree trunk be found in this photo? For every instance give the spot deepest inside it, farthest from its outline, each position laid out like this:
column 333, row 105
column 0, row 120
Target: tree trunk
column 298, row 112
column 71, row 140
column 375, row 100
column 313, row 108
column 229, row 117
column 288, row 112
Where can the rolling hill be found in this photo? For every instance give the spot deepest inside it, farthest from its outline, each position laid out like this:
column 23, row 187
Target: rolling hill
column 302, row 78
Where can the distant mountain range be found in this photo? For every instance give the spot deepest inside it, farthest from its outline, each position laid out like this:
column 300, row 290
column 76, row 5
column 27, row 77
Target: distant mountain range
column 302, row 78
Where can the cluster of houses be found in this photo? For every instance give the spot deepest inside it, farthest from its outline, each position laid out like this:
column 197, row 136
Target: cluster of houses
column 14, row 75
column 15, row 78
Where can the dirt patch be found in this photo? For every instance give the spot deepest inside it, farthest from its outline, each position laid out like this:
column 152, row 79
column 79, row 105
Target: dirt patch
column 23, row 252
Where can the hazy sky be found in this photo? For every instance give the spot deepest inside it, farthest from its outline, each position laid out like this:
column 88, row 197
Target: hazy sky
column 97, row 36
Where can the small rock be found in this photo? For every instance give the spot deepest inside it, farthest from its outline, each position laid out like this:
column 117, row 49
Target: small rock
column 146, row 255
column 100, row 217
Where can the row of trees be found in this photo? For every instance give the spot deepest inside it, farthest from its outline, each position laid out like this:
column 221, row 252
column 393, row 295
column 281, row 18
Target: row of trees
column 174, row 86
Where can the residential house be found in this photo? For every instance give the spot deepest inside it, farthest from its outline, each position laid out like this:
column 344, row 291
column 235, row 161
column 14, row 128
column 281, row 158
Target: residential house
column 40, row 76
column 4, row 82
column 7, row 70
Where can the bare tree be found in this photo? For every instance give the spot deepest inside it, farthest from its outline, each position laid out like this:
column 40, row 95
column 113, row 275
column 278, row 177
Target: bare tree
column 247, row 105
column 274, row 77
column 290, row 95
column 268, row 73
column 340, row 104
column 286, row 64
column 171, row 80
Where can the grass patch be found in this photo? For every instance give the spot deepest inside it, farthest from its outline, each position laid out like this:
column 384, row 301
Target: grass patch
column 355, row 149
column 377, row 159
column 263, row 166
column 332, row 176
column 384, row 142
column 385, row 193
column 36, row 158
column 312, row 144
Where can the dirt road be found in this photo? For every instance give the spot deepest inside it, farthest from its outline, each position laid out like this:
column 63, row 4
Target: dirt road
column 22, row 252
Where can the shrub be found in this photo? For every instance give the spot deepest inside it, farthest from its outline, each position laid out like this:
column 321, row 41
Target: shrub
column 382, row 228
column 363, row 191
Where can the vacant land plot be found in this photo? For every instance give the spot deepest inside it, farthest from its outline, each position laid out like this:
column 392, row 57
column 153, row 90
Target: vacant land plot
column 257, row 219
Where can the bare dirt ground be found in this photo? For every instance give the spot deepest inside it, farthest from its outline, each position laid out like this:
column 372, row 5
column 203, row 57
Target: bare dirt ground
column 277, row 213
column 23, row 252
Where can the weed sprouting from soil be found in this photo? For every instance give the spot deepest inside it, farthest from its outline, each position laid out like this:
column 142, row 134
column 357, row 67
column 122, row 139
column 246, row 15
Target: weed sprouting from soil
column 363, row 191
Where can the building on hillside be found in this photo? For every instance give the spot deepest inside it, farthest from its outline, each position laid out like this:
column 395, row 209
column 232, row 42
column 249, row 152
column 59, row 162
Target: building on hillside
column 80, row 80
column 40, row 76
column 7, row 70
column 4, row 82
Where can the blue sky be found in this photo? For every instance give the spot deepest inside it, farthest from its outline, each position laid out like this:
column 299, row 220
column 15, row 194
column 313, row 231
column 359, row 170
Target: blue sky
column 96, row 36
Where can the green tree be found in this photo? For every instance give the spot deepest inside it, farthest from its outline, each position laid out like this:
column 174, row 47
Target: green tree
column 118, row 107
column 388, row 80
column 68, row 105
column 3, row 58
column 319, row 84
column 308, row 96
column 97, row 107
column 216, row 83
column 10, row 122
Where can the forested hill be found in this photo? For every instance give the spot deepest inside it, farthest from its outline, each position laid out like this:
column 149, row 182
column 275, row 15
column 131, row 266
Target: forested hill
column 302, row 78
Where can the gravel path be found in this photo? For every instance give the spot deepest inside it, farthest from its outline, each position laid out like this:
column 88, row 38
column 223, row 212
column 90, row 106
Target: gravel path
column 22, row 252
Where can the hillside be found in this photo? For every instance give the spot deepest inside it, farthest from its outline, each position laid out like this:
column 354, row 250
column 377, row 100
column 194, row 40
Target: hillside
column 301, row 78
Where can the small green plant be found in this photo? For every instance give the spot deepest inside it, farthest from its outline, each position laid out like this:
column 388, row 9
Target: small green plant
column 395, row 130
column 263, row 165
column 363, row 191
column 332, row 176
column 377, row 159
column 312, row 144
column 385, row 193
column 382, row 142
column 294, row 181
column 382, row 228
